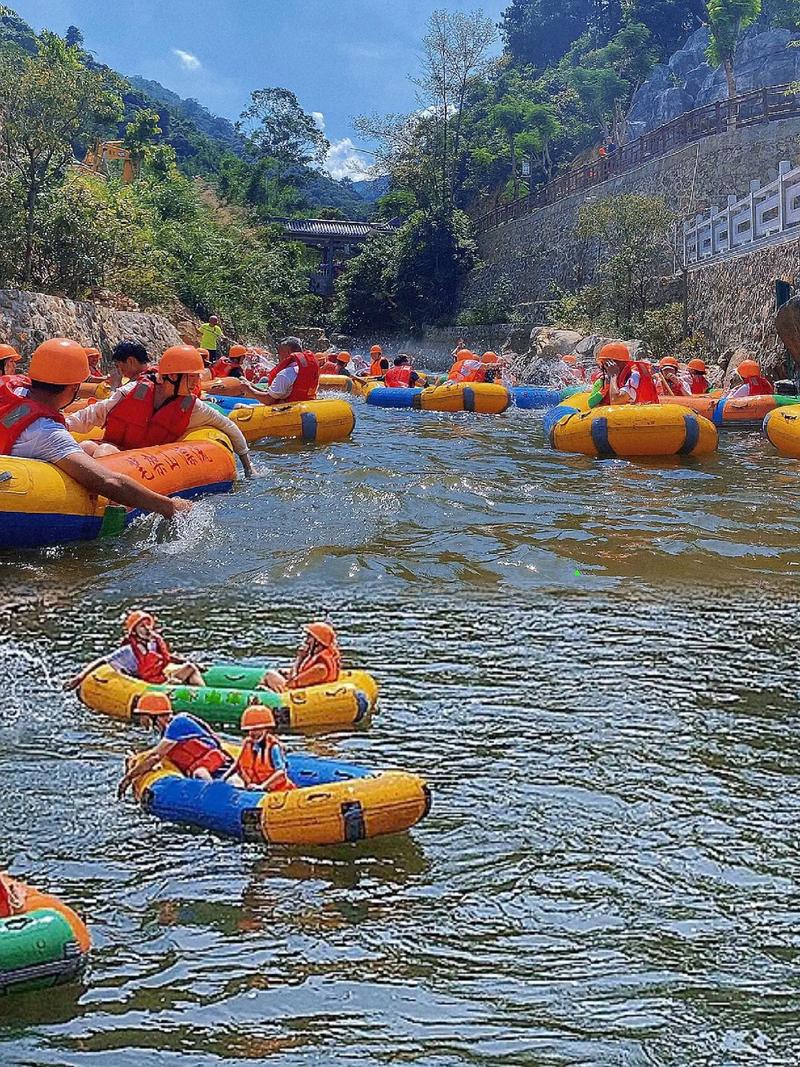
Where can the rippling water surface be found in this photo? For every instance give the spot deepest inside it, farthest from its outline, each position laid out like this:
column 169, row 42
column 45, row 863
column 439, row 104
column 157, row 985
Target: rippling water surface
column 594, row 665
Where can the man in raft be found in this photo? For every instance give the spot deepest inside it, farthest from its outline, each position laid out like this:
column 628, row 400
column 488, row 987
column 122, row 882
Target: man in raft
column 32, row 427
column 144, row 654
column 337, row 364
column 129, row 362
column 157, row 412
column 294, row 377
column 753, row 382
column 401, row 375
column 698, row 380
column 318, row 661
column 670, row 382
column 187, row 742
column 376, row 358
column 623, row 380
column 230, row 366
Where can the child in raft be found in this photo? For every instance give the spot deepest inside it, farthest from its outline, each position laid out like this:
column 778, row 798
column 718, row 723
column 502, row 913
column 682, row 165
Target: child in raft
column 261, row 763
column 145, row 655
column 187, row 742
column 318, row 661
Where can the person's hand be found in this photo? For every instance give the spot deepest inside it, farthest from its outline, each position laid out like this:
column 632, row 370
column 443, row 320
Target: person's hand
column 72, row 683
column 122, row 788
column 181, row 506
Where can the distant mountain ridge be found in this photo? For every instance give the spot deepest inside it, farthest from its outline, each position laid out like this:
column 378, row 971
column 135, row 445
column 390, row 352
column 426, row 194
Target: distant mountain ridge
column 214, row 126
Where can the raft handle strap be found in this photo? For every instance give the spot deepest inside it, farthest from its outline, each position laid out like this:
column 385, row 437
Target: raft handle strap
column 6, row 476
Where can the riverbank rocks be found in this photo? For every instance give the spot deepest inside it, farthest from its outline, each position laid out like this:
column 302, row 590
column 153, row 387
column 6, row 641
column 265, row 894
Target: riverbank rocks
column 27, row 319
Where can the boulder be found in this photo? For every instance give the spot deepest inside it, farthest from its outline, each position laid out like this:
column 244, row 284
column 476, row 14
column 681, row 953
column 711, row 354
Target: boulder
column 787, row 323
column 548, row 342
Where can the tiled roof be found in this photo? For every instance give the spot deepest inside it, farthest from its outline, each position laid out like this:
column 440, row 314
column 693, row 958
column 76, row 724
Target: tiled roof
column 327, row 228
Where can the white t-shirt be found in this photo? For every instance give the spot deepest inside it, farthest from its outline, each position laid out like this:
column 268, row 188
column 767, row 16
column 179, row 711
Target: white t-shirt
column 283, row 381
column 44, row 439
column 202, row 417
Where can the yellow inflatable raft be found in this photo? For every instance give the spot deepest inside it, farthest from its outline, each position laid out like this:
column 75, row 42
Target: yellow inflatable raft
column 333, row 803
column 782, row 430
column 321, row 421
column 628, row 430
column 320, row 707
column 341, row 383
column 483, row 397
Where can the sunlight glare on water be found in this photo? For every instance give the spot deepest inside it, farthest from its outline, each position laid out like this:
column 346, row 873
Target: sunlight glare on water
column 593, row 665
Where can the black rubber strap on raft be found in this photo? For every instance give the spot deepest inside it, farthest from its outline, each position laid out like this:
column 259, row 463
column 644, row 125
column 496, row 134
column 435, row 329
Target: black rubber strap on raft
column 692, row 428
column 469, row 399
column 600, row 438
column 353, row 819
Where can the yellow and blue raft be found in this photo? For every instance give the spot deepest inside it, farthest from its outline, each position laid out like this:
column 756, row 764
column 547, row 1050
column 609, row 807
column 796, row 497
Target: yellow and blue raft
column 483, row 397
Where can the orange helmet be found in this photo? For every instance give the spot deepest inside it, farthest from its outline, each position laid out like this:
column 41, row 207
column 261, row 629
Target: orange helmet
column 669, row 361
column 59, row 361
column 570, row 358
column 748, row 368
column 92, row 352
column 321, row 357
column 697, row 365
column 322, row 632
column 181, row 359
column 136, row 617
column 490, row 357
column 257, row 717
column 464, row 353
column 237, row 351
column 376, row 350
column 614, row 352
column 343, row 357
column 154, row 703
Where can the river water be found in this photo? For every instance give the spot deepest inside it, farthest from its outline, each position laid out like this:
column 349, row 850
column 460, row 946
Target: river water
column 592, row 663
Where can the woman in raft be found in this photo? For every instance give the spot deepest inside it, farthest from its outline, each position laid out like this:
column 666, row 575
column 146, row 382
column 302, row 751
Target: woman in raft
column 318, row 661
column 145, row 655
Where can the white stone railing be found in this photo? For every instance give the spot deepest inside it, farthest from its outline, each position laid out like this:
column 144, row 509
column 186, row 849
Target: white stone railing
column 768, row 214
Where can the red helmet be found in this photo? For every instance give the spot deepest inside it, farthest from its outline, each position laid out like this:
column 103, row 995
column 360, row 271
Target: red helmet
column 322, row 632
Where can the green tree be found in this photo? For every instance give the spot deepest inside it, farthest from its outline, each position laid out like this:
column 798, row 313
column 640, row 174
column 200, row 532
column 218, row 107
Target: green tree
column 140, row 134
column 48, row 102
column 539, row 32
column 73, row 37
column 726, row 20
column 274, row 125
column 365, row 297
column 510, row 115
column 669, row 21
column 435, row 250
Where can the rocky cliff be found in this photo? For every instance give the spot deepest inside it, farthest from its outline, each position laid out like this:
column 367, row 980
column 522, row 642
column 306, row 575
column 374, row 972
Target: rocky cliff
column 687, row 81
column 26, row 319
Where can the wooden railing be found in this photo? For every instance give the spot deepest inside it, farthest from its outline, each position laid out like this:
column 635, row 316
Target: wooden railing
column 749, row 109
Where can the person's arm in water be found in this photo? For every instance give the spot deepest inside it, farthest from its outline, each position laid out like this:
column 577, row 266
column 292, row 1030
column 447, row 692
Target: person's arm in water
column 77, row 679
column 204, row 416
column 148, row 762
column 119, row 488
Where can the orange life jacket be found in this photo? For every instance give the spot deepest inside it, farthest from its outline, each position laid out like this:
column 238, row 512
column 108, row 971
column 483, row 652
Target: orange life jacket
column 150, row 663
column 224, row 368
column 375, row 368
column 699, row 384
column 134, row 423
column 255, row 764
column 307, row 380
column 18, row 412
column 646, row 393
column 192, row 753
column 673, row 388
column 307, row 671
column 398, row 377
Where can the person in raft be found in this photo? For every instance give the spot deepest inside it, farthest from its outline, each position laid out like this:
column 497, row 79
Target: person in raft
column 337, row 364
column 9, row 358
column 670, row 382
column 261, row 763
column 698, row 378
column 157, row 412
column 376, row 359
column 623, row 380
column 32, row 427
column 187, row 742
column 318, row 661
column 129, row 362
column 144, row 654
column 230, row 366
column 753, row 382
column 95, row 370
column 401, row 375
column 294, row 377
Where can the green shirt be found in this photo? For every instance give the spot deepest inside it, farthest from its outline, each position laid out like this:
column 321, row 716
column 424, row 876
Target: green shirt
column 210, row 336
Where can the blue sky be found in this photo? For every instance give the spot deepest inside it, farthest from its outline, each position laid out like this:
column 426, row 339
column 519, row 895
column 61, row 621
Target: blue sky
column 341, row 57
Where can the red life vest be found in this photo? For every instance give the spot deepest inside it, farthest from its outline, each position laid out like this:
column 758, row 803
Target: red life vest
column 760, row 386
column 307, row 380
column 398, row 377
column 329, row 658
column 225, row 367
column 699, row 384
column 150, row 663
column 15, row 381
column 192, row 753
column 646, row 393
column 134, row 422
column 256, row 767
column 329, row 367
column 675, row 387
column 18, row 412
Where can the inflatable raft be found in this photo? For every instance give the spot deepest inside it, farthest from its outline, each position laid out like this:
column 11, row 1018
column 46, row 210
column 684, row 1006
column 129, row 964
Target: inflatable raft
column 749, row 411
column 454, row 396
column 628, row 430
column 230, row 690
column 40, row 505
column 782, row 429
column 341, row 383
column 45, row 945
column 319, row 421
column 334, row 803
column 533, row 396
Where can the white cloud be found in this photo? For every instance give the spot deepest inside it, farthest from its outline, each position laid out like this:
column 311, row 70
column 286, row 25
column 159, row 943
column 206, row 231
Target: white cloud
column 319, row 118
column 187, row 60
column 345, row 161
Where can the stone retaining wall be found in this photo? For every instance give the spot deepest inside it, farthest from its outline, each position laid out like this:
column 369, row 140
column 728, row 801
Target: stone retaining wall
column 27, row 319
column 539, row 250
